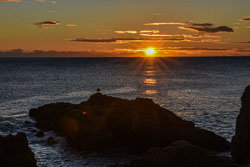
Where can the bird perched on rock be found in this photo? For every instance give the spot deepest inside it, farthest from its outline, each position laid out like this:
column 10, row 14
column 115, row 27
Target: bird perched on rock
column 98, row 90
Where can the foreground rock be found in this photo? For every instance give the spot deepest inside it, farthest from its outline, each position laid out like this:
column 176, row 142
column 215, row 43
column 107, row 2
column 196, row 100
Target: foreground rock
column 240, row 148
column 15, row 152
column 105, row 122
column 180, row 154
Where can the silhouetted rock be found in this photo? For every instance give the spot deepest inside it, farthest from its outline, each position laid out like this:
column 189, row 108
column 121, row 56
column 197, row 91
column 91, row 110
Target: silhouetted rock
column 27, row 122
column 105, row 122
column 240, row 147
column 180, row 154
column 47, row 116
column 51, row 141
column 15, row 152
column 40, row 134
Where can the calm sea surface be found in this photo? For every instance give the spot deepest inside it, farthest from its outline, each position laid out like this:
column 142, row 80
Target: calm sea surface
column 206, row 91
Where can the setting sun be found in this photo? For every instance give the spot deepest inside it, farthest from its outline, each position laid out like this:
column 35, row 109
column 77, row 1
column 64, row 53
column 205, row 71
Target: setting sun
column 150, row 52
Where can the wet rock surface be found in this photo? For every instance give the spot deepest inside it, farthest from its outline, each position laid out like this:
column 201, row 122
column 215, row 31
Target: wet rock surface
column 15, row 152
column 240, row 147
column 105, row 122
column 180, row 154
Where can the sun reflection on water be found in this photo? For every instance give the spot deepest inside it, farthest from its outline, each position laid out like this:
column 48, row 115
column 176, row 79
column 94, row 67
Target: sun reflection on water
column 149, row 81
column 150, row 70
column 150, row 92
column 150, row 78
column 149, row 73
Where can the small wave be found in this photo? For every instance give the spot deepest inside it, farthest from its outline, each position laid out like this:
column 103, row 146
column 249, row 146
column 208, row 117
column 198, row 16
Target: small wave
column 120, row 90
column 14, row 115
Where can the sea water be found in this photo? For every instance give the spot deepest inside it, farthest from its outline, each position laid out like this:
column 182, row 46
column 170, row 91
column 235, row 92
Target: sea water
column 206, row 91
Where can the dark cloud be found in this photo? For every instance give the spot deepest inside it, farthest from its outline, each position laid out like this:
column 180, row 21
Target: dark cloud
column 47, row 24
column 202, row 24
column 117, row 40
column 198, row 27
column 246, row 19
column 244, row 42
column 209, row 29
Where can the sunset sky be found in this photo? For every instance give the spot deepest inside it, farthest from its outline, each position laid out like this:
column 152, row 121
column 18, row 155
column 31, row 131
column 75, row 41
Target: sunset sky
column 128, row 27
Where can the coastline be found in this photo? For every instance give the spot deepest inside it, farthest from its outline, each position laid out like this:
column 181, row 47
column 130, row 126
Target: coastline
column 80, row 125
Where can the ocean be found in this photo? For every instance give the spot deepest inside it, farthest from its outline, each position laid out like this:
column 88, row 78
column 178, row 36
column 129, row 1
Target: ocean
column 206, row 91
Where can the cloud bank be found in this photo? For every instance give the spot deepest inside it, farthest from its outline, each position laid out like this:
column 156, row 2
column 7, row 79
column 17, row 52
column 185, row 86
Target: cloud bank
column 197, row 27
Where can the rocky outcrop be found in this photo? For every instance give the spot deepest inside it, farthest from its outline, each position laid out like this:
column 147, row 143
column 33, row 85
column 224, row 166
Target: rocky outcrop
column 180, row 154
column 15, row 152
column 105, row 122
column 240, row 147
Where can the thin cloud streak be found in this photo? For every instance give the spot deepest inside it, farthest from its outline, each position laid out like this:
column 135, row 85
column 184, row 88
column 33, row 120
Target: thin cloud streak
column 54, row 53
column 248, row 42
column 51, row 1
column 126, row 32
column 165, row 23
column 47, row 24
column 199, row 36
column 160, row 35
column 202, row 24
column 70, row 25
column 149, row 31
column 10, row 0
column 123, row 40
